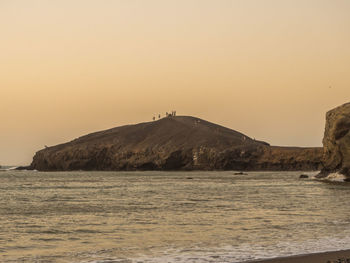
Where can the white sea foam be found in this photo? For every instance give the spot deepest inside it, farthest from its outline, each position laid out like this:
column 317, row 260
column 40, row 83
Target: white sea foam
column 8, row 168
column 12, row 168
column 335, row 177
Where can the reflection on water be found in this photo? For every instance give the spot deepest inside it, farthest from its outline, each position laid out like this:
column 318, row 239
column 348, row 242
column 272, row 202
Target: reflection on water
column 168, row 216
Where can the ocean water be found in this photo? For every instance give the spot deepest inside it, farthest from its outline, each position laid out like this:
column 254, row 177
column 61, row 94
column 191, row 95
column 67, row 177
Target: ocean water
column 136, row 217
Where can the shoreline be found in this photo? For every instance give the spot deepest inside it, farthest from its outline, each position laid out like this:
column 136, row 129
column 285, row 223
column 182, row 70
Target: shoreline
column 341, row 256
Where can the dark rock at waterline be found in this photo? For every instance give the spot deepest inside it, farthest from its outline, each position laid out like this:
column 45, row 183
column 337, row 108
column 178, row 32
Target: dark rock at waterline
column 240, row 173
column 303, row 176
column 173, row 143
column 336, row 142
column 21, row 168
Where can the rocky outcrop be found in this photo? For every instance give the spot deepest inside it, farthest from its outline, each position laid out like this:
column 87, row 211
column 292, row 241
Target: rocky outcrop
column 173, row 143
column 276, row 158
column 336, row 142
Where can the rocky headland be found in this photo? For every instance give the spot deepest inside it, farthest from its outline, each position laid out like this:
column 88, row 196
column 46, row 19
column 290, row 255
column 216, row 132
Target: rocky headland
column 173, row 143
column 336, row 143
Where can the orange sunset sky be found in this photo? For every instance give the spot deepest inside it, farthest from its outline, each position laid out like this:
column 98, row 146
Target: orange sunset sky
column 267, row 68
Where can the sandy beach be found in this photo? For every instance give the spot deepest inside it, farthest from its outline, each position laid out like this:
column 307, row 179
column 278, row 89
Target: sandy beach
column 342, row 256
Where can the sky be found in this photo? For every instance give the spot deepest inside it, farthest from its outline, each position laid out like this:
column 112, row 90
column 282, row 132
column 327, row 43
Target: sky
column 268, row 68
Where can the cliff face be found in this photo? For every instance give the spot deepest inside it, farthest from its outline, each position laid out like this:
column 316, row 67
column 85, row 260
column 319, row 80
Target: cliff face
column 173, row 143
column 336, row 141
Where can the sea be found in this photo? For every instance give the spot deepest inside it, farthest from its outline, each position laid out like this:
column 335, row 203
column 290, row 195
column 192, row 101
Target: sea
column 168, row 217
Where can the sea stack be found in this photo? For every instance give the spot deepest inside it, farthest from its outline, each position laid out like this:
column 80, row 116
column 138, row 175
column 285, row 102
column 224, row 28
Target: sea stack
column 173, row 143
column 336, row 143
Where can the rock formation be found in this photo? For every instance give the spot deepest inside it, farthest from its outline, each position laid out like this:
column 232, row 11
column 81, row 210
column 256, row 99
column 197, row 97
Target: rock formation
column 336, row 142
column 173, row 143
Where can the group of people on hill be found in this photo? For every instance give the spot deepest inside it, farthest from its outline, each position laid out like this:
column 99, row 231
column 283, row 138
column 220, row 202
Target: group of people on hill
column 172, row 114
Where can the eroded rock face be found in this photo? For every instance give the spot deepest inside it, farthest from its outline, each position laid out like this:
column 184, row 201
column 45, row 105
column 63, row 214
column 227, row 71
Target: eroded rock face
column 336, row 142
column 173, row 143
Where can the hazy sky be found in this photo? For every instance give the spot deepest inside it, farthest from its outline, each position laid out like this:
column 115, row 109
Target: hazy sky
column 267, row 68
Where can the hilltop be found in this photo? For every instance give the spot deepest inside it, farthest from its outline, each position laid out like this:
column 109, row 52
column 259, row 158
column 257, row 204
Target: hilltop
column 173, row 143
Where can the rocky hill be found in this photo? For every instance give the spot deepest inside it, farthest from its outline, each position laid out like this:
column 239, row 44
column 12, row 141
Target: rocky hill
column 336, row 142
column 173, row 143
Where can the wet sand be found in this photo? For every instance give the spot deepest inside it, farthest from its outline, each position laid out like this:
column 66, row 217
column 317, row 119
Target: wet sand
column 342, row 256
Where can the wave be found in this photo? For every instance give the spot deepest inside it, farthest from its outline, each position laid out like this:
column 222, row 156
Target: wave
column 235, row 254
column 8, row 168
